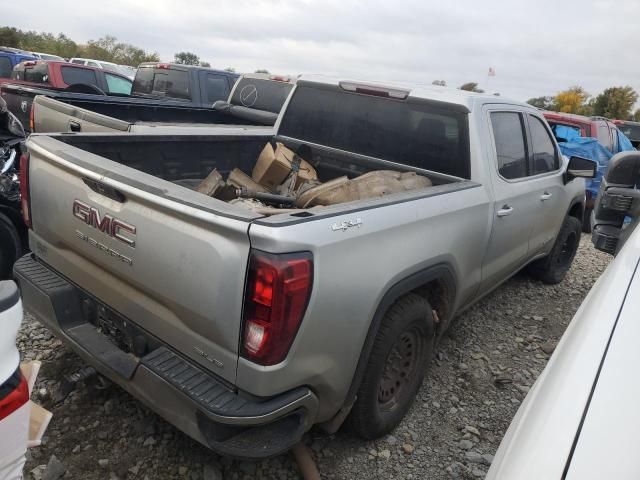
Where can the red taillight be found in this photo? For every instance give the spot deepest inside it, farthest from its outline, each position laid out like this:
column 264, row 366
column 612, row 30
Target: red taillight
column 163, row 66
column 278, row 290
column 280, row 78
column 25, row 202
column 17, row 394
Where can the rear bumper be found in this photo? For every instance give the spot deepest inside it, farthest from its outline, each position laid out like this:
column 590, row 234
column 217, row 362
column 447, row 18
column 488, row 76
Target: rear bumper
column 198, row 403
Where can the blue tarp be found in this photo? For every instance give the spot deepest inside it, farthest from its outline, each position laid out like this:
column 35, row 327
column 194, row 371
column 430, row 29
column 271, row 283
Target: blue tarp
column 588, row 147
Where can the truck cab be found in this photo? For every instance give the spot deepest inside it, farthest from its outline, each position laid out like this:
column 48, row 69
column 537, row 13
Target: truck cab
column 9, row 58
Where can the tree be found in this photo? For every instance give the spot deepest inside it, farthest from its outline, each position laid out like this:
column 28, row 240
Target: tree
column 572, row 100
column 205, row 64
column 615, row 102
column 186, row 58
column 230, row 69
column 545, row 103
column 441, row 83
column 471, row 87
column 636, row 116
column 261, row 70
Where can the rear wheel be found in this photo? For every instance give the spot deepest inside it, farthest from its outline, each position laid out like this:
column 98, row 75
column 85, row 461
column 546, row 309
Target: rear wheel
column 401, row 351
column 553, row 268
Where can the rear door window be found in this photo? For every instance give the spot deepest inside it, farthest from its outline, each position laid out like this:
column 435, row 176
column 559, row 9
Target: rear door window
column 73, row 75
column 217, row 87
column 420, row 134
column 5, row 67
column 544, row 157
column 511, row 147
column 161, row 82
column 116, row 84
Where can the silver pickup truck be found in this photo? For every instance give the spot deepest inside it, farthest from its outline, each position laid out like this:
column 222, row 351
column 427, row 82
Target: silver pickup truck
column 253, row 105
column 244, row 326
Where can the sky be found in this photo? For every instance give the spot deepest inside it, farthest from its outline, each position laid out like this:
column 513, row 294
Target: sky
column 535, row 47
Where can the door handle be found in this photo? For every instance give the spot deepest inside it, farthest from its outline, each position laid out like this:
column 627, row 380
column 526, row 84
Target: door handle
column 546, row 196
column 74, row 126
column 505, row 211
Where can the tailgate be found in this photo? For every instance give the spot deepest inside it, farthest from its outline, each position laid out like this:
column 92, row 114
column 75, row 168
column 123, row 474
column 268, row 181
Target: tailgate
column 50, row 115
column 171, row 260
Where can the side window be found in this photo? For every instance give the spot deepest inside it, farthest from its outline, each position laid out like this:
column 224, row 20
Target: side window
column 543, row 151
column 604, row 136
column 615, row 142
column 5, row 67
column 117, row 84
column 71, row 75
column 508, row 134
column 217, row 87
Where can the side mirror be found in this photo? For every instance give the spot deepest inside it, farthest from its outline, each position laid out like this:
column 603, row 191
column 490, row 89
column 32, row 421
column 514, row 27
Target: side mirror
column 580, row 168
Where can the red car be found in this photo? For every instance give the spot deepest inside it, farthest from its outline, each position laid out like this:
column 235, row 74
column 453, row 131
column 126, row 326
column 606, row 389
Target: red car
column 597, row 127
column 69, row 76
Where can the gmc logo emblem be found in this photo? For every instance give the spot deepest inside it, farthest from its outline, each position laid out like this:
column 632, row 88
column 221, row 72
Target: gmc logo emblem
column 114, row 227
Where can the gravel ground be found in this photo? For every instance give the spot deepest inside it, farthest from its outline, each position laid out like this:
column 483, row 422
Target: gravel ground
column 483, row 369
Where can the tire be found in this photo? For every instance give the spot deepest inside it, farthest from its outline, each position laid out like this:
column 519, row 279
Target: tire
column 553, row 268
column 10, row 247
column 404, row 343
column 586, row 220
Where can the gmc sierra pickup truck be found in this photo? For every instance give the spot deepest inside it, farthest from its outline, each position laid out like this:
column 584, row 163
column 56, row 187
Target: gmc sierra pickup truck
column 161, row 92
column 255, row 99
column 246, row 321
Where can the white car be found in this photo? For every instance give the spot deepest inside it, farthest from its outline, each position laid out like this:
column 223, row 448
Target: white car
column 581, row 420
column 48, row 57
column 110, row 66
column 14, row 389
column 22, row 422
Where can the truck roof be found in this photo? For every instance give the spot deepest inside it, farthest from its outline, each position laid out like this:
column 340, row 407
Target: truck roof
column 415, row 90
column 190, row 67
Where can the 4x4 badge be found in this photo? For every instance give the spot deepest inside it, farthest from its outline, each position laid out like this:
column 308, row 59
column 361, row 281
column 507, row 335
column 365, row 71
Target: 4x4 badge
column 346, row 224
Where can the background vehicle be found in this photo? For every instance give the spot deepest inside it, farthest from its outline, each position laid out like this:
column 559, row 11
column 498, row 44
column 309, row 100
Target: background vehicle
column 630, row 129
column 14, row 389
column 48, row 57
column 264, row 96
column 607, row 135
column 251, row 323
column 160, row 93
column 13, row 232
column 9, row 58
column 581, row 414
column 110, row 66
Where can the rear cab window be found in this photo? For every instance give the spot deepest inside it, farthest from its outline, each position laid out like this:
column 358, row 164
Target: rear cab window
column 73, row 75
column 31, row 72
column 261, row 94
column 422, row 134
column 162, row 82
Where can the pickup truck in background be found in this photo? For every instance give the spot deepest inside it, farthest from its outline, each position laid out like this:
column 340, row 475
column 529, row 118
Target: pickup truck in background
column 256, row 99
column 245, row 321
column 161, row 92
column 9, row 58
column 51, row 77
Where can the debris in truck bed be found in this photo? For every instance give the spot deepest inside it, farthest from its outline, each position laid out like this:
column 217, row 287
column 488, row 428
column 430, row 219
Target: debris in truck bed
column 283, row 182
